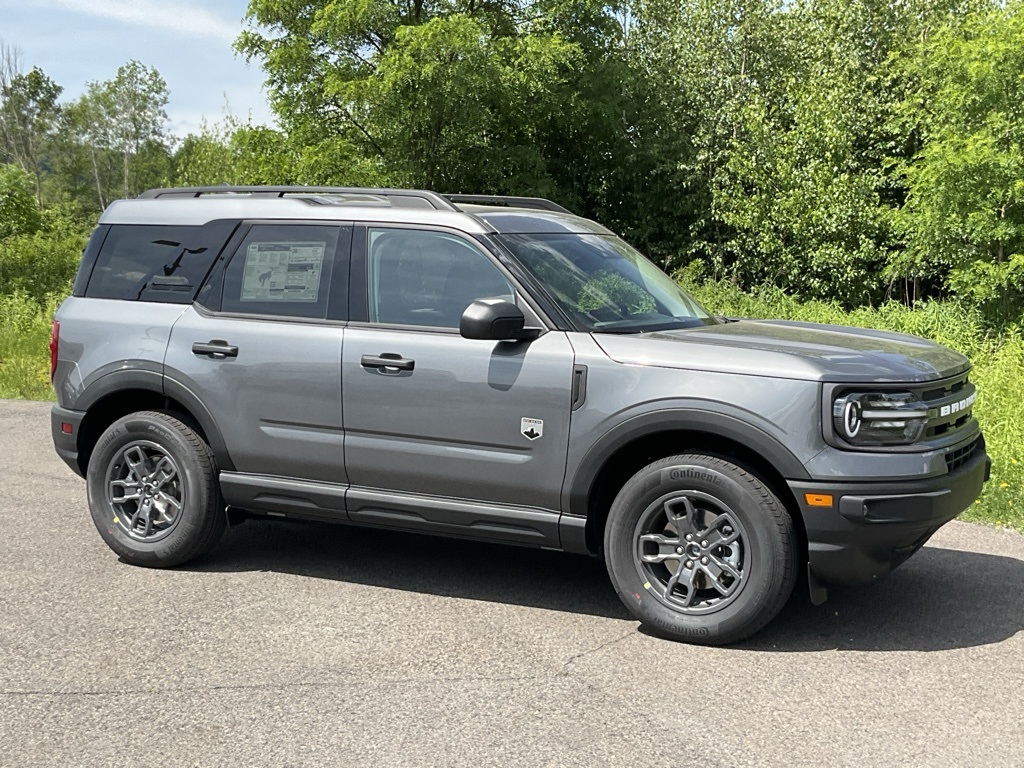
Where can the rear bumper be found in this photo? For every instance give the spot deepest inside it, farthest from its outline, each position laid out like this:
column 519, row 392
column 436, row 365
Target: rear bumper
column 66, row 443
column 871, row 528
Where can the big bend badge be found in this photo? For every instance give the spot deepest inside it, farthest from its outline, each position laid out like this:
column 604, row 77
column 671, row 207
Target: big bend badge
column 532, row 428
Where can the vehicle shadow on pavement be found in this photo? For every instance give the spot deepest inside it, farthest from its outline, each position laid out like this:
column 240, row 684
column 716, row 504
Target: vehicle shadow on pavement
column 938, row 600
column 417, row 563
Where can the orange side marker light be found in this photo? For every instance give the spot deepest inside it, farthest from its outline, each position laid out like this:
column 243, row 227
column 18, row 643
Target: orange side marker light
column 818, row 499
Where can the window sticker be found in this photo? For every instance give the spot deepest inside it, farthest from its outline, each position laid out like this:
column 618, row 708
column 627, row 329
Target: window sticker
column 283, row 271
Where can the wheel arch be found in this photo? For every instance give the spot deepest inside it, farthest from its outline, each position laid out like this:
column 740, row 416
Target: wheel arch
column 116, row 395
column 640, row 441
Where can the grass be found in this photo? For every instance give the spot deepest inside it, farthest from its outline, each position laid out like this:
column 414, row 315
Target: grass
column 997, row 357
column 24, row 346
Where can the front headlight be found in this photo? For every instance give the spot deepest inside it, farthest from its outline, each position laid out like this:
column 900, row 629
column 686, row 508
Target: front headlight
column 879, row 418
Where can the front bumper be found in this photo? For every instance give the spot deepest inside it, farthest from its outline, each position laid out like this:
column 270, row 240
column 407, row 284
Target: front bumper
column 871, row 528
column 66, row 443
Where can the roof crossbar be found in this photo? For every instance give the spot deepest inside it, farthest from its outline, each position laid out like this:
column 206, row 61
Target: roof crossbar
column 538, row 203
column 401, row 198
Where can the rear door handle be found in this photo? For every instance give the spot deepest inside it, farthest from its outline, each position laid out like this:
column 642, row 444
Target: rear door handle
column 387, row 361
column 216, row 348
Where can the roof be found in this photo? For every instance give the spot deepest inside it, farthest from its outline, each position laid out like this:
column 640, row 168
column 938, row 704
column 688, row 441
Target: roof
column 521, row 221
column 199, row 205
column 200, row 211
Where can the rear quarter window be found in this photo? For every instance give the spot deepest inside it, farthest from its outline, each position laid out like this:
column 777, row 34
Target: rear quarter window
column 283, row 270
column 155, row 262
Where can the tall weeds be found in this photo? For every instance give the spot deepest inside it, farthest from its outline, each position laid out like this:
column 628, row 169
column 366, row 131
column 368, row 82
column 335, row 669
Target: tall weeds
column 997, row 359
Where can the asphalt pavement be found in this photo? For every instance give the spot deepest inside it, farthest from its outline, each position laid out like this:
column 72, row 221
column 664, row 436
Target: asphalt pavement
column 309, row 644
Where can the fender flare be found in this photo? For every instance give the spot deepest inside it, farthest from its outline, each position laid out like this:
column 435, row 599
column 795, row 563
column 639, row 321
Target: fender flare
column 152, row 381
column 577, row 490
column 118, row 381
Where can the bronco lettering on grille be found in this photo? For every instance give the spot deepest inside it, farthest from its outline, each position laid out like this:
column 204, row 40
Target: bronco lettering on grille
column 961, row 405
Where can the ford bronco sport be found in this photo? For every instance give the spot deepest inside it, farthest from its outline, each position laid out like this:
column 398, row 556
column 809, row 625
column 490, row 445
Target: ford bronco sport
column 498, row 369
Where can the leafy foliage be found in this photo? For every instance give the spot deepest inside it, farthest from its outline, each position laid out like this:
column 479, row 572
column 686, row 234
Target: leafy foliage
column 28, row 112
column 997, row 357
column 442, row 95
column 19, row 213
column 24, row 335
column 964, row 217
column 233, row 152
column 855, row 150
column 609, row 288
column 862, row 158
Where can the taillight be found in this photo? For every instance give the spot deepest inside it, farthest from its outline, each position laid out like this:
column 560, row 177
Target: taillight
column 54, row 344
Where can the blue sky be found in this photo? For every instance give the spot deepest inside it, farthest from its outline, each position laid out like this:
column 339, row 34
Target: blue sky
column 188, row 41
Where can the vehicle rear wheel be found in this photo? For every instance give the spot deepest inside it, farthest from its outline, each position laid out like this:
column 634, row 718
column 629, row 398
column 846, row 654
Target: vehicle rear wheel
column 700, row 550
column 153, row 491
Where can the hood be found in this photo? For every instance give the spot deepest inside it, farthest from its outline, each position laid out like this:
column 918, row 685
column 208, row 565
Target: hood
column 790, row 350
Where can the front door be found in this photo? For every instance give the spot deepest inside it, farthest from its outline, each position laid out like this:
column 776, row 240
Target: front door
column 442, row 433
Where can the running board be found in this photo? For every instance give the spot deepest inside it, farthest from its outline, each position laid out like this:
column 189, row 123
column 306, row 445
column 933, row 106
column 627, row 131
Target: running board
column 285, row 497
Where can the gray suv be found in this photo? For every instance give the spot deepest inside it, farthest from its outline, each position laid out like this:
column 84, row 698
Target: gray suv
column 492, row 368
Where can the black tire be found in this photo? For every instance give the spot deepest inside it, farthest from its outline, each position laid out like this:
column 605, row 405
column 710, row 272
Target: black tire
column 172, row 517
column 725, row 591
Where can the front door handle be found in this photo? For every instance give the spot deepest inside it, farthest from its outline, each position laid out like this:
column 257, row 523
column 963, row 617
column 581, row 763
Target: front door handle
column 216, row 348
column 387, row 361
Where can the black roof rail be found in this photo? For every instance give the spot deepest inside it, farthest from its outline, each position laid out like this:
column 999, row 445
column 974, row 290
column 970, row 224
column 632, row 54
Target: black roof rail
column 538, row 203
column 404, row 198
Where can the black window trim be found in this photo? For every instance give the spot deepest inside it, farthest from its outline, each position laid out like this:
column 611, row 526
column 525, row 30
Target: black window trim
column 359, row 287
column 337, row 287
column 89, row 256
column 265, row 318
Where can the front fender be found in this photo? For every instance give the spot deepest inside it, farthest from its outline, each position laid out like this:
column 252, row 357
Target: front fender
column 581, row 478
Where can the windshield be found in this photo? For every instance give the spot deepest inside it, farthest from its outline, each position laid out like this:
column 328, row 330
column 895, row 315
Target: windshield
column 605, row 285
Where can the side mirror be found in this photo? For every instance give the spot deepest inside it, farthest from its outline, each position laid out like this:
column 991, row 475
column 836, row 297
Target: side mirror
column 495, row 320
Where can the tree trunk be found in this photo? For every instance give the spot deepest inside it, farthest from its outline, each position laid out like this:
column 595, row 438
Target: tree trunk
column 96, row 175
column 126, row 161
column 34, row 160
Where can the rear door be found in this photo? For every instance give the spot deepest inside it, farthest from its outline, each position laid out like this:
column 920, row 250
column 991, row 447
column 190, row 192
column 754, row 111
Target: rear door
column 457, row 436
column 261, row 348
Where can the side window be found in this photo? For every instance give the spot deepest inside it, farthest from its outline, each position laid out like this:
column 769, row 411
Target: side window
column 282, row 269
column 155, row 263
column 427, row 278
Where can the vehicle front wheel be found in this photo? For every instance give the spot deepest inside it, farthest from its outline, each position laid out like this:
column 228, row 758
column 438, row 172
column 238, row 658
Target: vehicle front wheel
column 700, row 550
column 153, row 491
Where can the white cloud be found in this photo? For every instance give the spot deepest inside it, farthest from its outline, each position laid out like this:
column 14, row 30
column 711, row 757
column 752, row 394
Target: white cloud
column 183, row 17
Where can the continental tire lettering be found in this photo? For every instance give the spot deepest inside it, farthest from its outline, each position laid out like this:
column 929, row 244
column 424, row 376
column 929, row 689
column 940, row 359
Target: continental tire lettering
column 690, row 473
column 107, row 440
column 676, row 629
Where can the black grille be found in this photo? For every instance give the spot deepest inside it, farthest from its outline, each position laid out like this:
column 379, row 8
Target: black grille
column 960, row 456
column 949, row 403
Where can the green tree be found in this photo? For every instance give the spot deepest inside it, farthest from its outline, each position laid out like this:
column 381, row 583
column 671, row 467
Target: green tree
column 802, row 186
column 964, row 218
column 785, row 123
column 584, row 136
column 454, row 108
column 698, row 65
column 87, row 146
column 446, row 95
column 19, row 211
column 112, row 139
column 28, row 114
column 233, row 152
column 133, row 105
